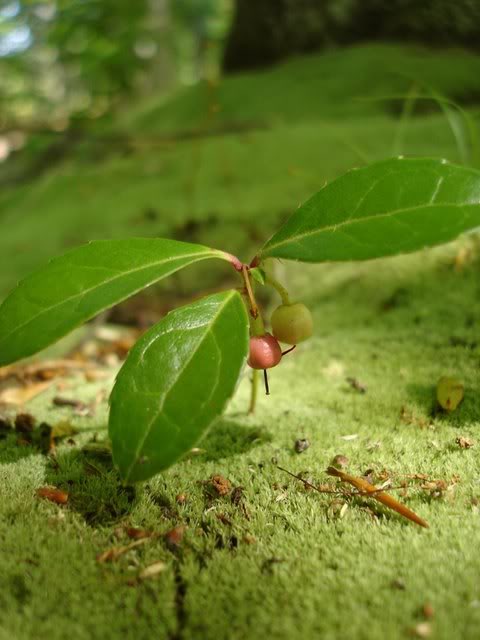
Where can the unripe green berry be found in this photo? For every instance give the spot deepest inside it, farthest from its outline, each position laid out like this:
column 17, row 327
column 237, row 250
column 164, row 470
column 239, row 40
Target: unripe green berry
column 450, row 393
column 292, row 323
column 265, row 352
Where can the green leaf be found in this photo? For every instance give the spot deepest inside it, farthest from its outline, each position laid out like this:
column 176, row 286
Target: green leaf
column 176, row 381
column 76, row 286
column 258, row 275
column 391, row 207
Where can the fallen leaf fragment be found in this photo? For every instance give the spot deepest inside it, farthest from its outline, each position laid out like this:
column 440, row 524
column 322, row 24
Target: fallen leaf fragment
column 370, row 490
column 152, row 570
column 53, row 494
column 19, row 395
column 112, row 554
column 422, row 630
column 138, row 534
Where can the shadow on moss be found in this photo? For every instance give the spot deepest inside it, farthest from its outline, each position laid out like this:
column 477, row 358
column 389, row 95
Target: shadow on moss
column 231, row 438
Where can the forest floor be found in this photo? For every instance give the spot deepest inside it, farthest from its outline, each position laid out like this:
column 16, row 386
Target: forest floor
column 225, row 544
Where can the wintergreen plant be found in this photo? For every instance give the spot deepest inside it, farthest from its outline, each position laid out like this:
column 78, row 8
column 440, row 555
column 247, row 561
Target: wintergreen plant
column 179, row 376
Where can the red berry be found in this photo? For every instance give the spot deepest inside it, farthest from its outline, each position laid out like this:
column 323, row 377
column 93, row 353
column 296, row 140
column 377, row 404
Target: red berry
column 265, row 352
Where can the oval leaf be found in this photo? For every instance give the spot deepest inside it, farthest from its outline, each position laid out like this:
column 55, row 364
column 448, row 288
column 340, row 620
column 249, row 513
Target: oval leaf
column 76, row 286
column 176, row 381
column 391, row 207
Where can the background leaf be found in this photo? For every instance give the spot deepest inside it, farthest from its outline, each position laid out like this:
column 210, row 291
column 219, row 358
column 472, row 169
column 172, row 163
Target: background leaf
column 396, row 206
column 176, row 381
column 76, row 286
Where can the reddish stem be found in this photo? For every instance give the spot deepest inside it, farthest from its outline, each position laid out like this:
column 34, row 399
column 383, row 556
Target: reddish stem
column 236, row 263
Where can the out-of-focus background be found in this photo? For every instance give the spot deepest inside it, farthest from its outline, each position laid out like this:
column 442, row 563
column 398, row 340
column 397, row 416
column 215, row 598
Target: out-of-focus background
column 211, row 120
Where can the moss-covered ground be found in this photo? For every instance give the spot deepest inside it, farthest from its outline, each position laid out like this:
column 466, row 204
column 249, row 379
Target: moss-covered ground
column 269, row 559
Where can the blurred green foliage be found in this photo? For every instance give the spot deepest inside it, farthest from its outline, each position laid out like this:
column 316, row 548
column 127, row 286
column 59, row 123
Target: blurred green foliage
column 72, row 56
column 83, row 58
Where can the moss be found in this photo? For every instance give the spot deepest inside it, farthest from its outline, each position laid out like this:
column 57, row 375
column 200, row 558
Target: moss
column 309, row 572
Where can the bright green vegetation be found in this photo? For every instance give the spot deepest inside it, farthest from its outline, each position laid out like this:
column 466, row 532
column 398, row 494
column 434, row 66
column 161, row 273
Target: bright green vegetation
column 75, row 287
column 176, row 382
column 396, row 325
column 396, row 206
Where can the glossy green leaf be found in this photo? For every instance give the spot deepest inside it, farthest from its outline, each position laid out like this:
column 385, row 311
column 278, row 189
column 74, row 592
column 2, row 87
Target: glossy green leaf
column 391, row 207
column 177, row 379
column 76, row 286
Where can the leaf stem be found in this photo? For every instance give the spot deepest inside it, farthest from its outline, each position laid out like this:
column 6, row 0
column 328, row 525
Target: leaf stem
column 249, row 289
column 236, row 263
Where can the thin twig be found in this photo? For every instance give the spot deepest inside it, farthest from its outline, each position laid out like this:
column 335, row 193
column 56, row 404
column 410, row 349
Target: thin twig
column 381, row 496
column 364, row 489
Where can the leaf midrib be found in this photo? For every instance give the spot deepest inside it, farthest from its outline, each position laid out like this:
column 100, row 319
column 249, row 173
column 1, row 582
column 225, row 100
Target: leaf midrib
column 105, row 282
column 376, row 216
column 148, row 429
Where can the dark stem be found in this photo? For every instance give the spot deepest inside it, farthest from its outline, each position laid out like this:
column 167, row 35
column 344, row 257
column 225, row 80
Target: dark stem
column 265, row 378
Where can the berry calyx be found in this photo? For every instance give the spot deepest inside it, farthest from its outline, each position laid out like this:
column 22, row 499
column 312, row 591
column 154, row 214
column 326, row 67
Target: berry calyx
column 292, row 323
column 265, row 352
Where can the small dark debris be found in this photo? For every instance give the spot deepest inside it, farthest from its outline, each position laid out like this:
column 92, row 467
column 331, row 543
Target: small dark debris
column 268, row 564
column 174, row 537
column 428, row 611
column 357, row 385
column 24, row 423
column 221, row 485
column 368, row 475
column 237, row 495
column 181, row 498
column 60, row 401
column 340, row 462
column 301, row 445
column 464, row 443
column 150, row 214
column 399, row 584
column 397, row 299
column 224, row 519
